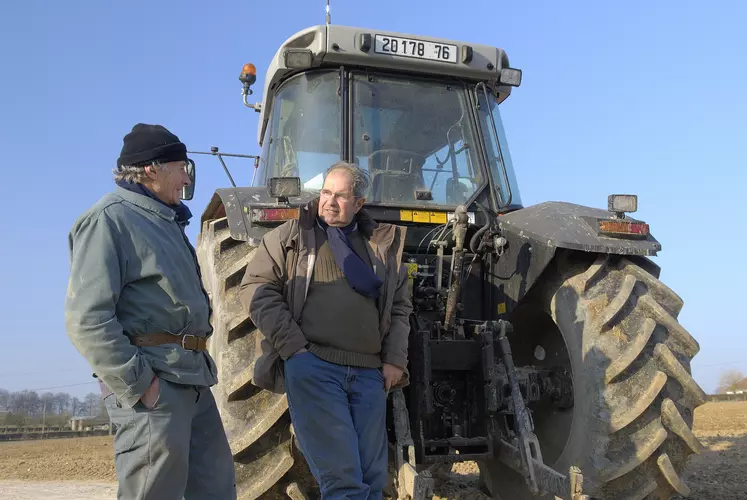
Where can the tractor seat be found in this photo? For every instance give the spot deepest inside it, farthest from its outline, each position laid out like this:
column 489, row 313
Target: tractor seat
column 392, row 186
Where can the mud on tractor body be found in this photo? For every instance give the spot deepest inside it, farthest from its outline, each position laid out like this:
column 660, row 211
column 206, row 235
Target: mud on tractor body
column 542, row 345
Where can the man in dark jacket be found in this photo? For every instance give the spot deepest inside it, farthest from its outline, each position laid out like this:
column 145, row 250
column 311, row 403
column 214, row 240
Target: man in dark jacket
column 329, row 293
column 137, row 312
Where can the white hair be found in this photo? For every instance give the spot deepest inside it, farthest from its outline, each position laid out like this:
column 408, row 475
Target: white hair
column 359, row 176
column 134, row 173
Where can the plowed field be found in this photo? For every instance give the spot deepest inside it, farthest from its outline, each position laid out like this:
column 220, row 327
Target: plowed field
column 84, row 468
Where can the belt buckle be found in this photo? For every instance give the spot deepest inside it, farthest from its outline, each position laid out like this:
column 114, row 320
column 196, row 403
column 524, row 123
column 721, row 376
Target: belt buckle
column 184, row 338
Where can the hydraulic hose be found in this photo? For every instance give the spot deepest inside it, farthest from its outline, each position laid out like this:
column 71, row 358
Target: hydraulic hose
column 475, row 240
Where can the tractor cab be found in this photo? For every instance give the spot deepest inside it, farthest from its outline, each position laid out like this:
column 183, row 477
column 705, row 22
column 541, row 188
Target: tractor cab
column 419, row 115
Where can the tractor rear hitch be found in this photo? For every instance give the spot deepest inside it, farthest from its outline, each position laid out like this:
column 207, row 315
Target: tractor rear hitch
column 527, row 443
column 548, row 480
column 410, row 484
column 525, row 455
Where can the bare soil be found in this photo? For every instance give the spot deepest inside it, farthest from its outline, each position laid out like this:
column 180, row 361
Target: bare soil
column 720, row 472
column 78, row 459
column 83, row 468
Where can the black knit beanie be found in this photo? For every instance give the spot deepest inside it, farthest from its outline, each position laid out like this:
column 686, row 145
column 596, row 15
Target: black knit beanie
column 148, row 143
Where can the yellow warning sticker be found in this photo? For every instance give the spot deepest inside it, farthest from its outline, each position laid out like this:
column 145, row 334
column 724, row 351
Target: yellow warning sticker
column 438, row 218
column 412, row 268
column 405, row 215
column 423, row 216
column 502, row 308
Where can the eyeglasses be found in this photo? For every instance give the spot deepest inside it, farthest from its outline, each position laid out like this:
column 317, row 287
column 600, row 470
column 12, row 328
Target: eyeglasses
column 338, row 196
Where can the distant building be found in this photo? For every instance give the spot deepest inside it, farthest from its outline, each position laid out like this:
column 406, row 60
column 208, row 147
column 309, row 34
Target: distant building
column 88, row 423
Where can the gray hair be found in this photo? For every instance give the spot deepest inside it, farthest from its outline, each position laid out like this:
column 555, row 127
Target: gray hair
column 359, row 176
column 134, row 173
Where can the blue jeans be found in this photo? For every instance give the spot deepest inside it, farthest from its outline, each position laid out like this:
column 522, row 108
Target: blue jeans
column 339, row 416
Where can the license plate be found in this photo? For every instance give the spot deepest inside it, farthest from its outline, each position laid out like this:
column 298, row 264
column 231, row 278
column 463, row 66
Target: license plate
column 418, row 49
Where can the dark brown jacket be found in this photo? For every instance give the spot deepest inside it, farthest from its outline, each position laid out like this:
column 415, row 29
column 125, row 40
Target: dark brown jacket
column 276, row 281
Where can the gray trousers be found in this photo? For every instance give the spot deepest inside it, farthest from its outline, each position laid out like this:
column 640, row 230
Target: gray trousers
column 176, row 450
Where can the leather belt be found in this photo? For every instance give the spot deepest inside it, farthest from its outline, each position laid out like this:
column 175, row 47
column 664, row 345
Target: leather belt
column 189, row 342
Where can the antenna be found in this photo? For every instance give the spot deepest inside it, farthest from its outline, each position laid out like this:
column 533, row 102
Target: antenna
column 329, row 19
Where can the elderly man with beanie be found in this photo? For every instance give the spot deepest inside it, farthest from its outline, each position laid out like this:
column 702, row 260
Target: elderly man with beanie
column 137, row 312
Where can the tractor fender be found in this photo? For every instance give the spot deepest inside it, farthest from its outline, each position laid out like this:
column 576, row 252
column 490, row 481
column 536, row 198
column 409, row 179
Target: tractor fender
column 236, row 205
column 535, row 233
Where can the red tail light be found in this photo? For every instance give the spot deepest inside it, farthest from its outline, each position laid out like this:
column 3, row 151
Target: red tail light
column 621, row 227
column 273, row 214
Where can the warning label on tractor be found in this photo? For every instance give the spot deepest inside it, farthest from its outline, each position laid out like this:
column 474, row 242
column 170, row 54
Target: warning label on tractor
column 423, row 216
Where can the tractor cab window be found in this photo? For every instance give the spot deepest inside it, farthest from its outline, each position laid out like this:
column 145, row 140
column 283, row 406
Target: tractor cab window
column 303, row 134
column 496, row 147
column 414, row 137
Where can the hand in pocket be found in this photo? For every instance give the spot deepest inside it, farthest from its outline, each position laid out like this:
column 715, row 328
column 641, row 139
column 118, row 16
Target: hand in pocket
column 150, row 397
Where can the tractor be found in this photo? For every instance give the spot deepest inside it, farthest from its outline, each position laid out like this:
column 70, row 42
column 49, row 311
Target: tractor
column 543, row 347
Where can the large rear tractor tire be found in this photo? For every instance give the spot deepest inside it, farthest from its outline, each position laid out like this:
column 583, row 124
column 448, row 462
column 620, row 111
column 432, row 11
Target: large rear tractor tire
column 257, row 422
column 612, row 324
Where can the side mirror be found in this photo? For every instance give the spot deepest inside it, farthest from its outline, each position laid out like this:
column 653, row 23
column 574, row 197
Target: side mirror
column 283, row 188
column 189, row 191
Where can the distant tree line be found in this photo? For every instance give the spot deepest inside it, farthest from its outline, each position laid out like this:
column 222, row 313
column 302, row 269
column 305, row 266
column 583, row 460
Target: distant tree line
column 731, row 381
column 30, row 408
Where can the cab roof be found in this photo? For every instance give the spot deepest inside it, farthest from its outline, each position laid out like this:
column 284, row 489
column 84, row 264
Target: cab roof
column 334, row 46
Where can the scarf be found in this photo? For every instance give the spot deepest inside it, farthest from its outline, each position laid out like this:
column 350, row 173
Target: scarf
column 183, row 214
column 360, row 276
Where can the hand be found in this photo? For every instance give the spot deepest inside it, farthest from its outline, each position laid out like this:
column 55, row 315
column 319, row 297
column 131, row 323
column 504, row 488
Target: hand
column 150, row 396
column 392, row 375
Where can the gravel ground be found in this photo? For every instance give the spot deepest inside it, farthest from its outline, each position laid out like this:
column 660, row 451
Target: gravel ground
column 83, row 469
column 69, row 490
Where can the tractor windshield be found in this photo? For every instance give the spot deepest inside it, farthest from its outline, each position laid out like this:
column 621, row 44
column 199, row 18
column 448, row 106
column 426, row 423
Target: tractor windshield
column 415, row 137
column 303, row 135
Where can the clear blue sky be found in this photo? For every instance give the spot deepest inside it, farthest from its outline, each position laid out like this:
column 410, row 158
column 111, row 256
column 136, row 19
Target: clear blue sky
column 617, row 97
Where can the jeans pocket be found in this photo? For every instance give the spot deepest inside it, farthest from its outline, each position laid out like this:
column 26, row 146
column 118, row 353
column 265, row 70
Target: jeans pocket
column 123, row 420
column 298, row 356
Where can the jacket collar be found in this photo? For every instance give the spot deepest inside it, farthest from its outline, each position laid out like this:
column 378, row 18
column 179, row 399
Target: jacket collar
column 182, row 214
column 146, row 203
column 308, row 213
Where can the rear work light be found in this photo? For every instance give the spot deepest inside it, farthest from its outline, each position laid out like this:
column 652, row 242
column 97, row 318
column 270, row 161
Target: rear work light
column 623, row 228
column 274, row 214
